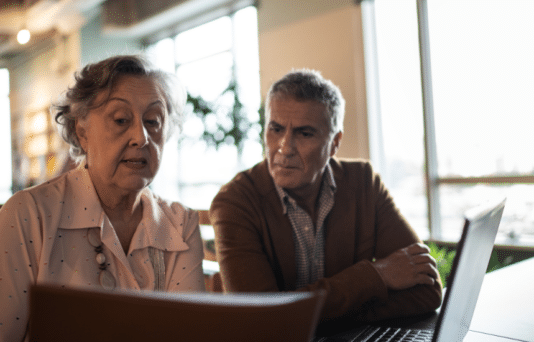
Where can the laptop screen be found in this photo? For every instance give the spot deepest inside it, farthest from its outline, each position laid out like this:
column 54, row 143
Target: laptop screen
column 472, row 257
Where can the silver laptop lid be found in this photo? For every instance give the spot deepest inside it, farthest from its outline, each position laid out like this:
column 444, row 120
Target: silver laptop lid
column 470, row 264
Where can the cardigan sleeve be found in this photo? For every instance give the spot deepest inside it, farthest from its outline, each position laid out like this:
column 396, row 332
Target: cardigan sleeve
column 393, row 232
column 240, row 247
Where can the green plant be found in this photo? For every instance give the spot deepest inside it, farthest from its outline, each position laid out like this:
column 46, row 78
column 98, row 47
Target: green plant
column 444, row 259
column 445, row 256
column 226, row 121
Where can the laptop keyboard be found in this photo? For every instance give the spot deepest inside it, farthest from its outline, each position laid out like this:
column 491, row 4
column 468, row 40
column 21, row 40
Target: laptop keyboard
column 384, row 334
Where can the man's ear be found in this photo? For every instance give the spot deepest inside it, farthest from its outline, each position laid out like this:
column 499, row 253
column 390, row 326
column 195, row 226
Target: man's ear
column 81, row 133
column 336, row 142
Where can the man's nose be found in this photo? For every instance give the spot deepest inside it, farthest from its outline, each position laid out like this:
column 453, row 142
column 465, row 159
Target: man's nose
column 287, row 144
column 139, row 134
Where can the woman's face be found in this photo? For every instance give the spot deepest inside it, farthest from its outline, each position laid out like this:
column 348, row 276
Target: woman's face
column 123, row 138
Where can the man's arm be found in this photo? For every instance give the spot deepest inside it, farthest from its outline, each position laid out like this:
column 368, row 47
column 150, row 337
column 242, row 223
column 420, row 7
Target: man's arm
column 403, row 261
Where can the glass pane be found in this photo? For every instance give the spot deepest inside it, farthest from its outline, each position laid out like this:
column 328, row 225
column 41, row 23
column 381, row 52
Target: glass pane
column 401, row 110
column 4, row 83
column 207, row 77
column 247, row 58
column 161, row 54
column 517, row 224
column 483, row 80
column 5, row 138
column 191, row 171
column 205, row 40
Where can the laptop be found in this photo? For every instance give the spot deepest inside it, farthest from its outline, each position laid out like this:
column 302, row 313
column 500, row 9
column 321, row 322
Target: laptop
column 69, row 314
column 465, row 281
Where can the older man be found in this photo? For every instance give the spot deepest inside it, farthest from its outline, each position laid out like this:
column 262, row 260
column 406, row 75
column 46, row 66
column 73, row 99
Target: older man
column 304, row 220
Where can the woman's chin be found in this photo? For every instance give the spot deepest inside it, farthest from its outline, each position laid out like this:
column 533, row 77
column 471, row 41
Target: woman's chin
column 134, row 184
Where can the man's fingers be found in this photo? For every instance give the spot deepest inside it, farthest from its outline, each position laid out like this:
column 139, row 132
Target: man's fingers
column 425, row 279
column 423, row 259
column 427, row 269
column 417, row 248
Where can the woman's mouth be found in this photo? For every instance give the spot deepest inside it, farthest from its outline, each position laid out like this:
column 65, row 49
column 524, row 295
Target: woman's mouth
column 135, row 163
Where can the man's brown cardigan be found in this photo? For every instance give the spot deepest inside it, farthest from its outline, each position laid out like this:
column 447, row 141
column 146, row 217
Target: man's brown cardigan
column 256, row 253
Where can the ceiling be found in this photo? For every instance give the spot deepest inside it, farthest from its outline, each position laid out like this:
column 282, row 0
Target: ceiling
column 42, row 18
column 127, row 18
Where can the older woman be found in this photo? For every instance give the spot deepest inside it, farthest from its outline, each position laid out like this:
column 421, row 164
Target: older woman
column 99, row 225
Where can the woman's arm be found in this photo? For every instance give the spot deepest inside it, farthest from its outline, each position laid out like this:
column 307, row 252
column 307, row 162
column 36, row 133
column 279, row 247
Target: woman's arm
column 20, row 245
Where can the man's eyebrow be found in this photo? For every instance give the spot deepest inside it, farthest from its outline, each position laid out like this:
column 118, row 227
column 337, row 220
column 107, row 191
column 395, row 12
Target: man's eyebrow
column 274, row 123
column 305, row 128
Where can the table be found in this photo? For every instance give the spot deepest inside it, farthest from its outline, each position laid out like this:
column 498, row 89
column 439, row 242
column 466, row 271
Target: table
column 505, row 307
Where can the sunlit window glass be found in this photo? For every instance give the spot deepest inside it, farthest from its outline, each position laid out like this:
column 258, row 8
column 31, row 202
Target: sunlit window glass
column 483, row 94
column 5, row 137
column 207, row 59
column 401, row 108
column 483, row 79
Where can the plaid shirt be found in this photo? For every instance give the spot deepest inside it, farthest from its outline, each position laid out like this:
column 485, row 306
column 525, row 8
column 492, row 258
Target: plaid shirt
column 309, row 240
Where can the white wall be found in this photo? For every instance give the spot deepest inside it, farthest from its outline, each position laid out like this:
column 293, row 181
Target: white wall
column 330, row 41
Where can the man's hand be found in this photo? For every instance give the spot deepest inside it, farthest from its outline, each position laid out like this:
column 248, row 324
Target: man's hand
column 408, row 267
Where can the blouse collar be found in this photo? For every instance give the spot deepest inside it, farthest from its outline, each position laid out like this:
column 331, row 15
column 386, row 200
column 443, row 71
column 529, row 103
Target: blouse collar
column 159, row 228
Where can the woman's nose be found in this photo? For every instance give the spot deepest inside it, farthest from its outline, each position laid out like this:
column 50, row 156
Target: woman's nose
column 139, row 135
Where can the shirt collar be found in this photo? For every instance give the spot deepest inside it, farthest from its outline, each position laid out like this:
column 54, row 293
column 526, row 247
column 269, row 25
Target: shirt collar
column 289, row 202
column 159, row 228
column 81, row 206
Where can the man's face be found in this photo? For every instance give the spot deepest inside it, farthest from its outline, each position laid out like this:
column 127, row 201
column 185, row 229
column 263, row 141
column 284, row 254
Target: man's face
column 298, row 143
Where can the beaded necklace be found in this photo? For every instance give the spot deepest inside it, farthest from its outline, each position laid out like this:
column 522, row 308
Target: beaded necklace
column 106, row 278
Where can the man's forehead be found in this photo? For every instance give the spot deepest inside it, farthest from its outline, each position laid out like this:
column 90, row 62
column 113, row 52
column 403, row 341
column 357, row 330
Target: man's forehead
column 298, row 113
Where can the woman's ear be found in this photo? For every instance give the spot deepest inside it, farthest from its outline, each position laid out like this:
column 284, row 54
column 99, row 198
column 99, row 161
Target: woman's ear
column 81, row 133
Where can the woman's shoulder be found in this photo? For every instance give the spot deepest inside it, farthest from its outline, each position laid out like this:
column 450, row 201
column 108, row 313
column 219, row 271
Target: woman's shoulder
column 175, row 210
column 46, row 193
column 174, row 206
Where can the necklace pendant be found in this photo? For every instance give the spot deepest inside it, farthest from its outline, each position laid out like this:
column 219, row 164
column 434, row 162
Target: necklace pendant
column 100, row 258
column 93, row 235
column 107, row 280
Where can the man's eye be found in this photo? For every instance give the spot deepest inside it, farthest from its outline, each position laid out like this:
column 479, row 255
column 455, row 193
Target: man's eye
column 306, row 134
column 121, row 121
column 275, row 129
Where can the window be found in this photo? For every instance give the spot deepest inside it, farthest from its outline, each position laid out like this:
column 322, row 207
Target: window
column 206, row 59
column 477, row 118
column 5, row 138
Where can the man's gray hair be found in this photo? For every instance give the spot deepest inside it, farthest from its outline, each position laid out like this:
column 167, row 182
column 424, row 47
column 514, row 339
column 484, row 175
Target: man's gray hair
column 305, row 84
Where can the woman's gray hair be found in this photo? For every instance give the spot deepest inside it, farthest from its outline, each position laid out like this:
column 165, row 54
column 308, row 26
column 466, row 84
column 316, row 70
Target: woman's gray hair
column 305, row 84
column 100, row 77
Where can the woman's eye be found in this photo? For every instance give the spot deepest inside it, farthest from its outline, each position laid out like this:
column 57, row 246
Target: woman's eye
column 121, row 121
column 153, row 123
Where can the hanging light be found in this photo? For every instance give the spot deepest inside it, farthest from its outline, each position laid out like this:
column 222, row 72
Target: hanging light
column 23, row 36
